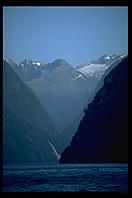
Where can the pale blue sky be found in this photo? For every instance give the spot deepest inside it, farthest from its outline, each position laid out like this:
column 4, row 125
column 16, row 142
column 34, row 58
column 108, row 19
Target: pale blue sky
column 75, row 34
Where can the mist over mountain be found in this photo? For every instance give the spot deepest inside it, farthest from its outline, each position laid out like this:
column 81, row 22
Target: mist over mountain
column 69, row 131
column 102, row 135
column 28, row 132
column 65, row 90
column 62, row 89
column 62, row 92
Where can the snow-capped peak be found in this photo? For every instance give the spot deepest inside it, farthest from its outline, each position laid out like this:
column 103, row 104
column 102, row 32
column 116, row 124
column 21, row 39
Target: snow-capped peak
column 106, row 57
column 10, row 62
column 123, row 55
column 7, row 59
column 36, row 63
column 98, row 66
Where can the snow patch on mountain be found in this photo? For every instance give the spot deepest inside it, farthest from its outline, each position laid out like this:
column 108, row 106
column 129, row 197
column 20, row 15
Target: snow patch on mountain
column 38, row 64
column 92, row 68
column 79, row 76
column 123, row 55
column 107, row 57
column 99, row 66
column 8, row 60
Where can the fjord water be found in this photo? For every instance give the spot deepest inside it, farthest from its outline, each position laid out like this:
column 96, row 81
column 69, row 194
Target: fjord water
column 65, row 177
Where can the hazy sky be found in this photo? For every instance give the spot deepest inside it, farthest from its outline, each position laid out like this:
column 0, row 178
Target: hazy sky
column 76, row 34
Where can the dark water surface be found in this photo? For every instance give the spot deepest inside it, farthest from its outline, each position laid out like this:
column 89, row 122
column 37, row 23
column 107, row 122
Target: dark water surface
column 65, row 177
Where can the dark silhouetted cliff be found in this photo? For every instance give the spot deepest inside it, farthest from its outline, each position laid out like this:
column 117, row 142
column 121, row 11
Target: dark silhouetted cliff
column 102, row 135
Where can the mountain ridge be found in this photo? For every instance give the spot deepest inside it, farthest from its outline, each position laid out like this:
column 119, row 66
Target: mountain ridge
column 27, row 128
column 102, row 133
column 58, row 85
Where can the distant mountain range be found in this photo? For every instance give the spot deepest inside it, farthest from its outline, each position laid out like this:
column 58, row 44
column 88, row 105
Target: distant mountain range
column 63, row 91
column 29, row 69
column 59, row 86
column 42, row 98
column 102, row 135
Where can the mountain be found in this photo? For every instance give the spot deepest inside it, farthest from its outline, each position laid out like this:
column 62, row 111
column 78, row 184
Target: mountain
column 11, row 63
column 107, row 71
column 28, row 133
column 29, row 69
column 102, row 135
column 69, row 131
column 108, row 60
column 99, row 66
column 63, row 91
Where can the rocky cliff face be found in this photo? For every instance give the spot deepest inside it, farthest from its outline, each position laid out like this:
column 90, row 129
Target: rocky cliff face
column 102, row 135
